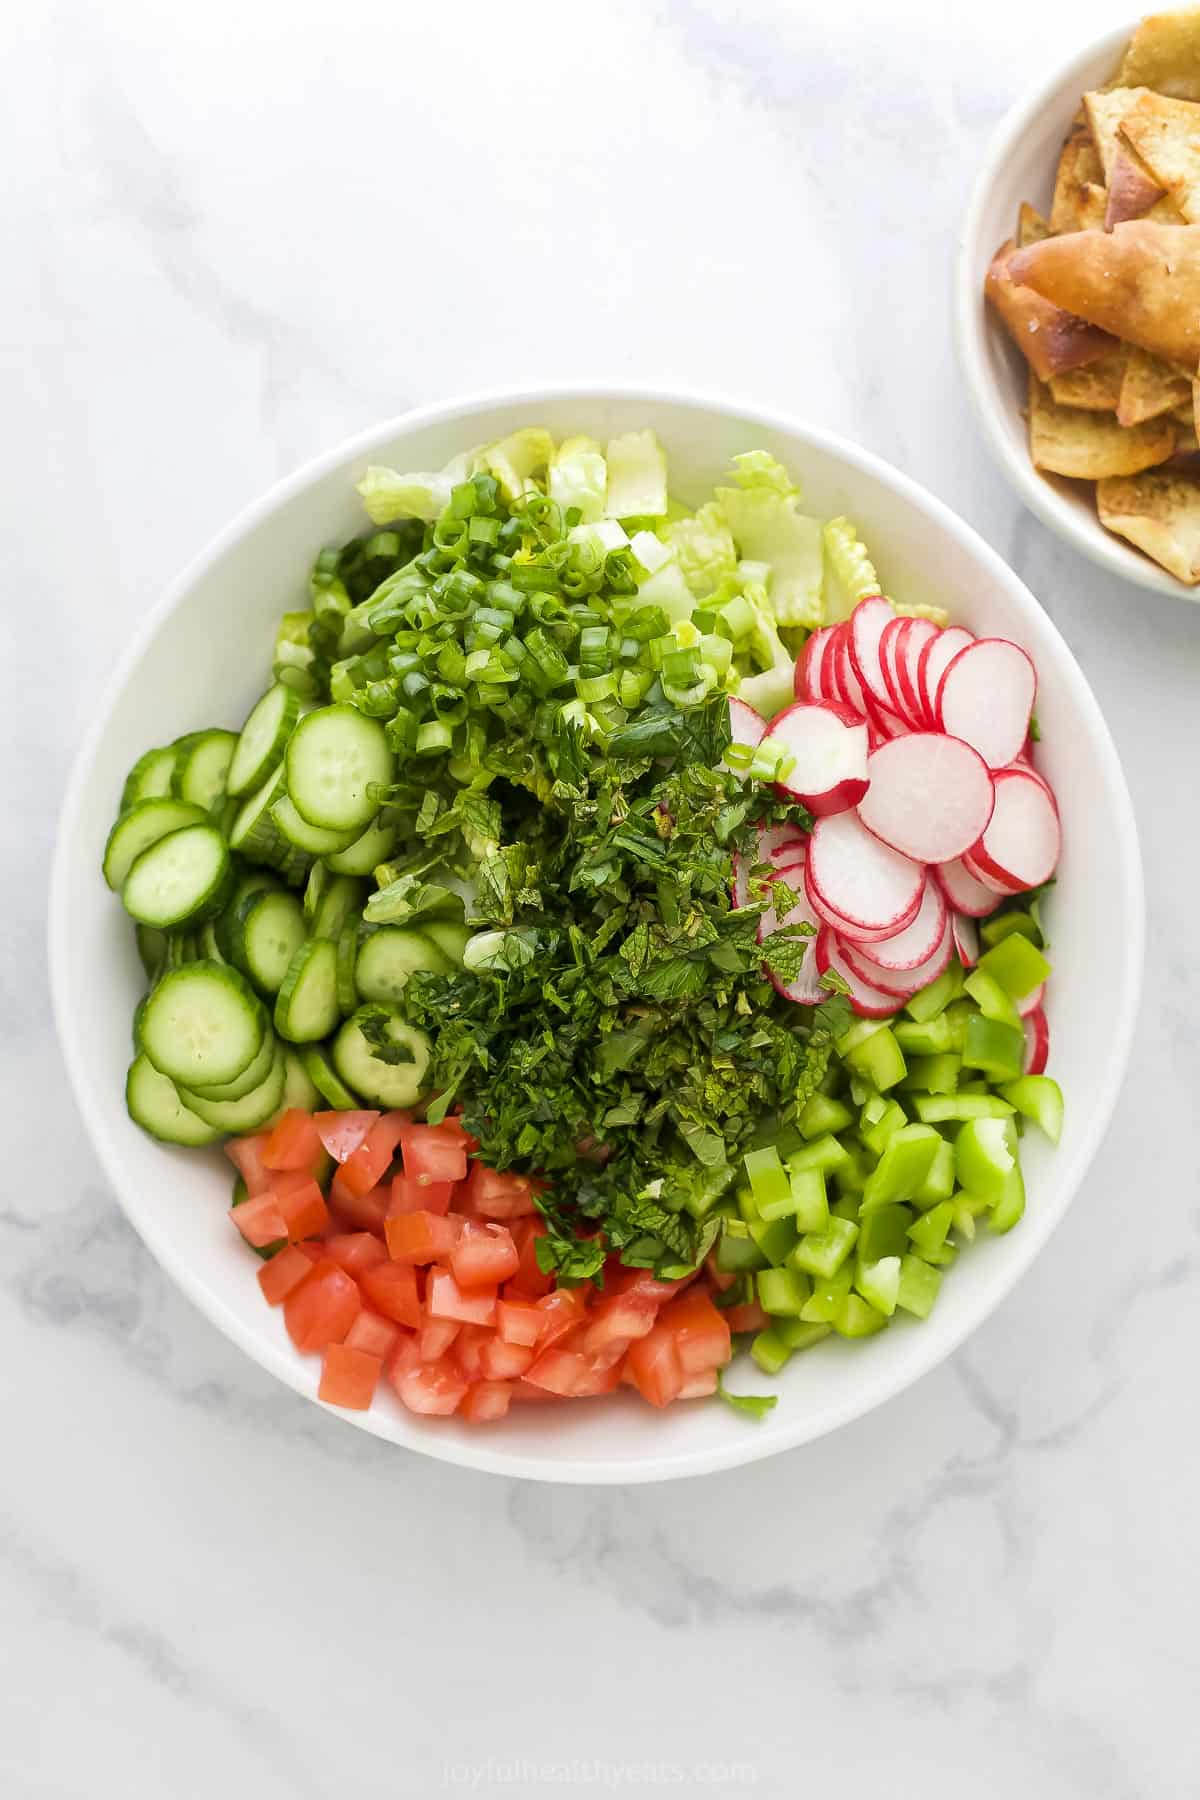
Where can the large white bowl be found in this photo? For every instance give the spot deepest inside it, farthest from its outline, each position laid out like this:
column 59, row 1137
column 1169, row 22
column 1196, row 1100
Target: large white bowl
column 1020, row 165
column 200, row 659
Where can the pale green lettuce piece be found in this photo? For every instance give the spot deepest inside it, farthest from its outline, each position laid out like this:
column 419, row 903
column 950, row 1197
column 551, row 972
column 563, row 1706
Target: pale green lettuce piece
column 937, row 615
column 763, row 515
column 388, row 496
column 601, row 536
column 705, row 548
column 759, row 469
column 516, row 459
column 772, row 686
column 578, row 476
column 637, row 477
column 649, row 551
column 849, row 572
column 667, row 588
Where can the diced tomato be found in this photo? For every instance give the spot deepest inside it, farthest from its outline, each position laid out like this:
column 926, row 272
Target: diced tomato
column 342, row 1132
column 701, row 1332
column 310, row 1249
column 411, row 1194
column 468, row 1350
column 373, row 1333
column 484, row 1401
column 392, row 1289
column 749, row 1316
column 444, row 1299
column 246, row 1155
column 435, row 1338
column 653, row 1362
column 421, row 1237
column 617, row 1320
column 501, row 1362
column 484, row 1255
column 303, row 1206
column 567, row 1373
column 720, row 1279
column 360, row 1212
column 432, row 1387
column 349, row 1377
column 641, row 1281
column 561, row 1311
column 499, row 1196
column 524, row 1391
column 519, row 1321
column 434, row 1152
column 260, row 1220
column 404, row 1355
column 371, row 1161
column 698, row 1387
column 531, row 1281
column 295, row 1143
column 323, row 1308
column 282, row 1273
column 355, row 1251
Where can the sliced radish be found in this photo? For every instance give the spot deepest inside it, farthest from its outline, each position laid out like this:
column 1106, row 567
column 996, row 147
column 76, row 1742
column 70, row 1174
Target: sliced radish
column 780, row 844
column 885, row 724
column 745, row 725
column 809, row 666
column 920, row 939
column 889, row 655
column 1002, row 890
column 868, row 622
column 870, row 886
column 966, row 938
column 964, row 892
column 1037, row 1037
column 739, row 887
column 1031, row 1002
column 869, row 1002
column 930, row 796
column 916, row 634
column 1021, row 845
column 935, row 658
column 850, row 688
column 828, row 747
column 902, row 983
column 986, row 698
column 806, row 989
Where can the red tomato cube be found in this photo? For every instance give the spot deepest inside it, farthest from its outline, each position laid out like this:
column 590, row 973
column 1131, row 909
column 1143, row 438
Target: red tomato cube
column 702, row 1334
column 371, row 1161
column 484, row 1255
column 322, row 1309
column 561, row 1311
column 412, row 1193
column 617, row 1319
column 485, row 1401
column 437, row 1152
column 355, row 1251
column 246, row 1155
column 435, row 1338
column 699, row 1387
column 260, row 1220
column 519, row 1321
column 302, row 1204
column 530, row 1280
column 494, row 1195
column 295, row 1143
column 285, row 1271
column 444, row 1299
column 432, row 1387
column 500, row 1361
column 468, row 1349
column 359, row 1212
column 749, row 1316
column 573, row 1376
column 373, row 1333
column 421, row 1237
column 653, row 1364
column 391, row 1289
column 349, row 1377
column 342, row 1132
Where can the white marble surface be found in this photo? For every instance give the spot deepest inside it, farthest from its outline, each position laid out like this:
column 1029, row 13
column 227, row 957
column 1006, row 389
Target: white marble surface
column 235, row 232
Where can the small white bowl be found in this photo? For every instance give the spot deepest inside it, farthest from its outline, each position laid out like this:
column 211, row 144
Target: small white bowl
column 1020, row 165
column 200, row 658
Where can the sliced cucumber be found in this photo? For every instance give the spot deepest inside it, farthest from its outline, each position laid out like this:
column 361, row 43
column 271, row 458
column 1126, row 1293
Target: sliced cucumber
column 255, row 834
column 153, row 1103
column 329, row 1085
column 202, row 767
column 341, row 901
column 451, row 939
column 210, row 944
column 152, row 948
column 263, row 740
column 203, row 1024
column 149, row 778
column 389, row 956
column 366, row 852
column 252, row 1076
column 240, row 1116
column 183, row 879
column 249, row 881
column 335, row 758
column 303, row 836
column 299, row 1089
column 347, row 957
column 241, row 1193
column 314, row 887
column 144, row 824
column 306, row 1008
column 382, row 1083
column 182, row 947
column 267, row 932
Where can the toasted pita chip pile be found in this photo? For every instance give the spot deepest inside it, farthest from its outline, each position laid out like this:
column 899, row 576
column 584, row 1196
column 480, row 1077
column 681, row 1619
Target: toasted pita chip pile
column 1103, row 297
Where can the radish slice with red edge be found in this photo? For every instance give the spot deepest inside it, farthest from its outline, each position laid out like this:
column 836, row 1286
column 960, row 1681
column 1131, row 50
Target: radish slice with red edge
column 884, row 723
column 745, row 725
column 850, row 687
column 1021, row 844
column 845, row 928
column 964, row 892
column 902, row 983
column 966, row 938
column 930, row 796
column 827, row 745
column 869, row 1002
column 806, row 989
column 916, row 635
column 933, row 662
column 986, row 698
column 739, row 887
column 868, row 622
column 889, row 654
column 809, row 666
column 781, row 843
column 872, row 887
column 1037, row 1040
column 910, row 948
column 1002, row 890
column 1031, row 1003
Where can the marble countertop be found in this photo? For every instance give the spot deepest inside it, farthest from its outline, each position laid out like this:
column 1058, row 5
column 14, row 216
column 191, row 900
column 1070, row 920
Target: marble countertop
column 235, row 233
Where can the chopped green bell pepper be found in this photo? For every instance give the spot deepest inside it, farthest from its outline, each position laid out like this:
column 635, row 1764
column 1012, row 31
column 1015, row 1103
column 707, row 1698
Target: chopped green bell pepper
column 937, row 996
column 783, row 1291
column 942, row 1109
column 823, row 1252
column 1017, row 964
column 903, row 1166
column 799, row 1335
column 879, row 1283
column 767, row 1177
column 820, row 1114
column 878, row 1059
column 883, row 1232
column 985, row 1154
column 919, row 1284
column 997, row 1049
column 827, row 1296
column 736, row 1250
column 857, row 1318
column 1002, row 925
column 1011, row 1204
column 876, row 1136
column 938, row 1185
column 926, row 1037
column 932, row 1074
column 824, row 1153
column 810, row 1203
column 769, row 1351
column 991, row 999
column 928, row 1233
column 1039, row 1098
column 774, row 1237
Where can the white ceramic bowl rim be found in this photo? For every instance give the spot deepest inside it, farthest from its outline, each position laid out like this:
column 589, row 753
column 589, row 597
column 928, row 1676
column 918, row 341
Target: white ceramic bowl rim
column 881, row 1380
column 973, row 324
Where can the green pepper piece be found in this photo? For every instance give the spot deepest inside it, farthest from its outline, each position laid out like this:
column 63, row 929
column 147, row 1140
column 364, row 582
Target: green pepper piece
column 851, row 1176
column 879, row 1059
column 769, row 1351
column 937, row 996
column 919, row 1284
column 883, row 1232
column 1011, row 1204
column 824, row 1153
column 932, row 1074
column 783, row 1291
column 938, row 1185
column 967, row 1208
column 736, row 1249
column 827, row 1296
column 1038, row 1098
column 1002, row 925
column 798, row 1335
column 809, row 1201
column 926, row 1037
column 877, row 1136
column 904, row 1165
column 856, row 1035
column 820, row 1114
column 824, row 1252
column 991, row 999
column 985, row 1154
column 878, row 1282
column 768, row 1180
column 857, row 1318
column 774, row 1237
column 928, row 1233
column 998, row 1050
column 942, row 1109
column 1016, row 964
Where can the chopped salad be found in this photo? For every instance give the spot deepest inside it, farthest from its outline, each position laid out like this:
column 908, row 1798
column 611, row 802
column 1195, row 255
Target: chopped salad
column 612, row 938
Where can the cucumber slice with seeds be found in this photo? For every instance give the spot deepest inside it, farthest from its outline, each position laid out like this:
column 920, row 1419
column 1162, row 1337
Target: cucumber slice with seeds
column 389, row 957
column 341, row 901
column 263, row 740
column 303, row 836
column 252, row 1076
column 183, row 879
column 144, row 824
column 153, row 1102
column 385, row 1084
column 329, row 1085
column 240, row 1116
column 255, row 834
column 149, row 778
column 335, row 758
column 366, row 852
column 268, row 931
column 306, row 1008
column 202, row 1025
column 202, row 767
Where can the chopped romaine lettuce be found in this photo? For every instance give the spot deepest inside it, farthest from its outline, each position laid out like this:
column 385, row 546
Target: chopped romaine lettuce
column 849, row 572
column 516, row 459
column 937, row 615
column 768, row 527
column 705, row 548
column 388, row 496
column 578, row 476
column 637, row 477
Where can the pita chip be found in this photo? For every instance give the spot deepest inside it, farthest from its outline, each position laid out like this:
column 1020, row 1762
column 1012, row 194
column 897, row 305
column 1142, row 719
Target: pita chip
column 1050, row 340
column 1031, row 227
column 1158, row 512
column 1164, row 54
column 1097, row 386
column 1141, row 282
column 1132, row 189
column 1079, row 200
column 1166, row 135
column 1065, row 440
column 1150, row 387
